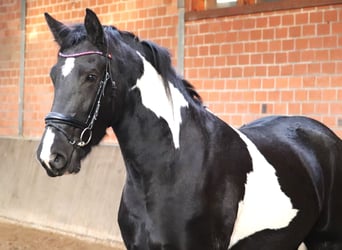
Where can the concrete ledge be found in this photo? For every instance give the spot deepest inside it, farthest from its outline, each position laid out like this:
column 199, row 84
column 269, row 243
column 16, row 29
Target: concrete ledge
column 85, row 204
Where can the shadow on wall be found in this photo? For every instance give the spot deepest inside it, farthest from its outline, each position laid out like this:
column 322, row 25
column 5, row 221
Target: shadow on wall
column 84, row 204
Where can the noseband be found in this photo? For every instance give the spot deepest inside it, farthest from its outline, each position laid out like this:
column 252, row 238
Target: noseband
column 55, row 118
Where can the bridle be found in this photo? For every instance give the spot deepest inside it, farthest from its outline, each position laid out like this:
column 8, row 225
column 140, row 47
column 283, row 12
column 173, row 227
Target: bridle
column 53, row 119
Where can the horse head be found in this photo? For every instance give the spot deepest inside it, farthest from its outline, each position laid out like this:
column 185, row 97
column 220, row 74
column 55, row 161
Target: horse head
column 85, row 80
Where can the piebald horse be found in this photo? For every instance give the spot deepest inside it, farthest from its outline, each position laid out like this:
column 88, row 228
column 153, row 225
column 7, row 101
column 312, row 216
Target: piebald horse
column 193, row 182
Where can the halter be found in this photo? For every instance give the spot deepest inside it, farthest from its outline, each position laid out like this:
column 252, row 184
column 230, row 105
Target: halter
column 54, row 118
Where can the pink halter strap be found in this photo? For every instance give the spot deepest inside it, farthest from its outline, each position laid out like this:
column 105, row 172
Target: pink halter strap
column 85, row 54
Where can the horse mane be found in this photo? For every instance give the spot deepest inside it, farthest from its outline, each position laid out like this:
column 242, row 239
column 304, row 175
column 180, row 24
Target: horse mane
column 158, row 56
column 160, row 59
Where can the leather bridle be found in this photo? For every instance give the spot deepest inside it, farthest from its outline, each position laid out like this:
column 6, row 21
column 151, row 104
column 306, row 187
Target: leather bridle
column 53, row 119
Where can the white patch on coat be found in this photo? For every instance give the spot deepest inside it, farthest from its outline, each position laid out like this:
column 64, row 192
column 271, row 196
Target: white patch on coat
column 302, row 247
column 68, row 66
column 154, row 97
column 45, row 153
column 265, row 205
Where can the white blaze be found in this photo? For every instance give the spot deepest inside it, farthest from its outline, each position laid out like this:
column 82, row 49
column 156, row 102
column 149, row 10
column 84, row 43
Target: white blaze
column 68, row 66
column 154, row 97
column 45, row 153
column 265, row 205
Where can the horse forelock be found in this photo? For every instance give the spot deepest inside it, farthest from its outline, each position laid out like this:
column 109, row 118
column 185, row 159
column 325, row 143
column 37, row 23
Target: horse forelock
column 78, row 34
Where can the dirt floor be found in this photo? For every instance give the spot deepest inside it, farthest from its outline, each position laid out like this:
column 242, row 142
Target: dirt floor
column 16, row 237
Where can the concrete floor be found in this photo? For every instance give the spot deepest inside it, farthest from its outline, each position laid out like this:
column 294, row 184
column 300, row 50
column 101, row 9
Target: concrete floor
column 18, row 237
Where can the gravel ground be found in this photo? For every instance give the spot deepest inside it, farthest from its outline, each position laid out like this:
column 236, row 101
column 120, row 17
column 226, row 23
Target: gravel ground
column 17, row 237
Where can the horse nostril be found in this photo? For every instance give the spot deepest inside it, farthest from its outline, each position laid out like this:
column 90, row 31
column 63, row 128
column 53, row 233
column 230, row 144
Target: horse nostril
column 57, row 161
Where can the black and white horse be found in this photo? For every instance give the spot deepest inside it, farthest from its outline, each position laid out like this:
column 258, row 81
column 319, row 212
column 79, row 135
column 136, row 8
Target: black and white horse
column 193, row 182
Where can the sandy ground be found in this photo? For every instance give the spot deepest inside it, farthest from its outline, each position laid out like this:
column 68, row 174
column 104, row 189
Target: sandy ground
column 17, row 237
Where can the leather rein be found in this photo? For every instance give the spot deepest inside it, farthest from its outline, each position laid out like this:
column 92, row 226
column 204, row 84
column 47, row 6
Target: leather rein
column 53, row 119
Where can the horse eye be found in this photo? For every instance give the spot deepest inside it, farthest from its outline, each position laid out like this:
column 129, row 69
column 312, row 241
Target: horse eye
column 91, row 78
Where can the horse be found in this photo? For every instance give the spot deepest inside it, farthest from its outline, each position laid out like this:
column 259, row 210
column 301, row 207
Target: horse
column 193, row 182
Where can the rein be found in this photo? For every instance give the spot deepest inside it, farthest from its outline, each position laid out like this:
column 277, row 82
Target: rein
column 54, row 118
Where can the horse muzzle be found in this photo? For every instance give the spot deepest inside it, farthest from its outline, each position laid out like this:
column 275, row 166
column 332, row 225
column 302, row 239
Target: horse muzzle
column 56, row 155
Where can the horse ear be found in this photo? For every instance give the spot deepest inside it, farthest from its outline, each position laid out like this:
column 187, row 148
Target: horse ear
column 94, row 29
column 58, row 29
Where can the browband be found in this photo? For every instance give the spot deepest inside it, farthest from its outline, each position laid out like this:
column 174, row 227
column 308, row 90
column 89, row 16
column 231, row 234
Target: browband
column 85, row 54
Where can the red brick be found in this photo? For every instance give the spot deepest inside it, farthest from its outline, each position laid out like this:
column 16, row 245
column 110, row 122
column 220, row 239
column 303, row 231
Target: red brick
column 287, row 44
column 261, row 22
column 321, row 55
column 256, row 59
column 330, row 16
column 273, row 96
column 274, row 21
column 316, row 17
column 337, row 28
column 321, row 108
column 280, row 109
column 296, row 31
column 294, row 56
column 260, row 71
column 330, row 42
column 275, row 45
column 248, row 71
column 286, row 70
column 268, row 33
column 281, row 33
column 256, row 34
column 237, row 72
column 300, row 95
column 301, row 18
column 250, row 47
column 329, row 95
column 301, row 43
column 323, row 29
column 248, row 24
column 255, row 83
column 287, row 20
column 294, row 108
column 307, row 108
column 287, row 96
column 262, row 46
column 314, row 68
column 268, row 58
column 261, row 96
column 237, row 24
column 328, row 68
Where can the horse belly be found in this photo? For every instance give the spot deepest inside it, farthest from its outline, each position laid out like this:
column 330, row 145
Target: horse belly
column 264, row 205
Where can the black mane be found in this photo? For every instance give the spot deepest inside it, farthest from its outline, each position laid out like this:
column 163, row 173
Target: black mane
column 158, row 56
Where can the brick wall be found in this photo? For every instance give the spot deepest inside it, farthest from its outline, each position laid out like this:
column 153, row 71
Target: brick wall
column 247, row 66
column 284, row 62
column 9, row 66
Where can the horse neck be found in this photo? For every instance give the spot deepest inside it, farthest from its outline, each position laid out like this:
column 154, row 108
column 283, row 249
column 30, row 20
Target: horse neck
column 149, row 134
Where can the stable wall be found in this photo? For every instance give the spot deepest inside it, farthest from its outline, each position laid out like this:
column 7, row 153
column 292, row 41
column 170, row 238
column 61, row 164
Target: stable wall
column 278, row 62
column 85, row 204
column 245, row 66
